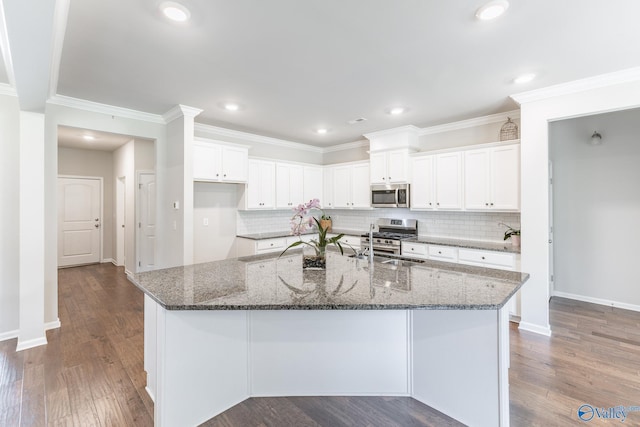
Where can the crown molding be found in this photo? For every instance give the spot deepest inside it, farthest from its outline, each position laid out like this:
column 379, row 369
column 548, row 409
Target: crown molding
column 180, row 111
column 589, row 83
column 61, row 12
column 347, row 146
column 218, row 131
column 7, row 89
column 96, row 107
column 464, row 124
column 408, row 128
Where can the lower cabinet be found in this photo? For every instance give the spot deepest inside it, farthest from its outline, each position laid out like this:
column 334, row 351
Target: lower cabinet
column 248, row 247
column 348, row 242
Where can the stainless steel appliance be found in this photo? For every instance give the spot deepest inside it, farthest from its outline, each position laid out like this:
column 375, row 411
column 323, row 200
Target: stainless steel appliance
column 390, row 196
column 389, row 235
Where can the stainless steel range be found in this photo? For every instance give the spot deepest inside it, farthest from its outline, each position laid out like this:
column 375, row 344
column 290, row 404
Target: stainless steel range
column 391, row 233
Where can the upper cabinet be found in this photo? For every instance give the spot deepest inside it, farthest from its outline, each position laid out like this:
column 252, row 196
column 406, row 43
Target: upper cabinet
column 313, row 184
column 350, row 186
column 289, row 185
column 492, row 178
column 389, row 167
column 219, row 162
column 437, row 182
column 261, row 185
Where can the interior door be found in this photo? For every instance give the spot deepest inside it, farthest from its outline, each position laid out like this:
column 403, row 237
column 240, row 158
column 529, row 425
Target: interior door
column 147, row 222
column 79, row 221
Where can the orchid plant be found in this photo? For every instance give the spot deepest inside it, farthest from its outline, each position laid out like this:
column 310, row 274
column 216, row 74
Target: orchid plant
column 301, row 221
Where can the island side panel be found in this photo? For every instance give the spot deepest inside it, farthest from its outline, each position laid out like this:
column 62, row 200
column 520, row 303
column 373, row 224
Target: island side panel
column 202, row 365
column 330, row 352
column 150, row 343
column 459, row 367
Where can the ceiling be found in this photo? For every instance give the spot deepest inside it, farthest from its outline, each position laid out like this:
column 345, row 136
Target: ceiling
column 71, row 137
column 294, row 66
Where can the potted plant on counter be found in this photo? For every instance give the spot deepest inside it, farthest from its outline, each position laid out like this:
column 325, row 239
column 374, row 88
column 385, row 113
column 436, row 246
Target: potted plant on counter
column 301, row 223
column 513, row 234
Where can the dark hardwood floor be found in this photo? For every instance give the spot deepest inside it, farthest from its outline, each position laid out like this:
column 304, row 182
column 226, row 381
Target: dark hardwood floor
column 91, row 372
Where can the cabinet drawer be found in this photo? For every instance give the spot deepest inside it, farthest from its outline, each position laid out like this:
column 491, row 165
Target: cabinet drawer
column 443, row 253
column 501, row 260
column 346, row 241
column 418, row 250
column 270, row 245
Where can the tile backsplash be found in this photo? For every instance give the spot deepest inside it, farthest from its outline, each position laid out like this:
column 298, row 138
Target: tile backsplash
column 458, row 225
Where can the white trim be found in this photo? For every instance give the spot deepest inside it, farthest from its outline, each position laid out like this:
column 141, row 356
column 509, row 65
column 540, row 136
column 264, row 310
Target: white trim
column 148, row 390
column 52, row 325
column 347, row 146
column 180, row 111
column 536, row 329
column 25, row 345
column 463, row 124
column 218, row 142
column 96, row 107
column 465, row 148
column 594, row 82
column 218, row 131
column 5, row 48
column 129, row 274
column 61, row 13
column 106, row 260
column 8, row 90
column 599, row 301
column 407, row 128
column 9, row 335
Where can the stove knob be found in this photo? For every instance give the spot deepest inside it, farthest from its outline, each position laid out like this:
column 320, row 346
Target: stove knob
column 378, row 240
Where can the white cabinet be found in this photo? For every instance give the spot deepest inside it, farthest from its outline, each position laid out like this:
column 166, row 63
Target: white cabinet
column 414, row 250
column 492, row 178
column 448, row 180
column 351, row 186
column 348, row 242
column 489, row 259
column 313, row 184
column 215, row 162
column 261, row 185
column 422, row 183
column 389, row 167
column 327, row 190
column 443, row 253
column 289, row 185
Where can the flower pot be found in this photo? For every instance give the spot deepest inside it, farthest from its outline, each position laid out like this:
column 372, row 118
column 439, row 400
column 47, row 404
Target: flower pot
column 515, row 241
column 325, row 224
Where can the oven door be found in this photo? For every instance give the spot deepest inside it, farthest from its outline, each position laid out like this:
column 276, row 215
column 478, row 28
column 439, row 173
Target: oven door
column 384, row 197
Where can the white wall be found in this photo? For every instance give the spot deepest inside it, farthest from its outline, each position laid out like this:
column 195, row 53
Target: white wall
column 218, row 204
column 73, row 161
column 9, row 217
column 536, row 113
column 597, row 206
column 479, row 134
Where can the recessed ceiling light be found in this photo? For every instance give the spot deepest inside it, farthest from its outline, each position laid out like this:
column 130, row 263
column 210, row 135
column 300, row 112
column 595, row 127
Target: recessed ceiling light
column 492, row 10
column 175, row 11
column 322, row 131
column 397, row 110
column 525, row 78
column 231, row 107
column 88, row 137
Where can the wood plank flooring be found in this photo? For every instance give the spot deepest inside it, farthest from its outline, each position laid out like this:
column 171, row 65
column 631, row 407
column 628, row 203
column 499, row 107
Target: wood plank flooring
column 91, row 372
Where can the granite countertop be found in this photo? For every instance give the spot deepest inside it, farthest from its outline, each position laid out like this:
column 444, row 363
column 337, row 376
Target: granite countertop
column 267, row 282
column 469, row 244
column 287, row 233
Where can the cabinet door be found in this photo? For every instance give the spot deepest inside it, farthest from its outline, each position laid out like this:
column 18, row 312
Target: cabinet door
column 206, row 162
column 422, row 183
column 296, row 185
column 253, row 185
column 378, row 165
column 283, row 178
column 327, row 191
column 397, row 166
column 505, row 177
column 268, row 184
column 360, row 187
column 234, row 164
column 341, row 185
column 312, row 184
column 476, row 178
column 448, row 181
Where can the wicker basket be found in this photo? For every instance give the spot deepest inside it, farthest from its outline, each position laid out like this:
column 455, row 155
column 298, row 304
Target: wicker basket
column 509, row 130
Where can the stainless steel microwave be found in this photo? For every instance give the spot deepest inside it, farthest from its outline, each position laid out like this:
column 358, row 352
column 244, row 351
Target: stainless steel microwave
column 390, row 196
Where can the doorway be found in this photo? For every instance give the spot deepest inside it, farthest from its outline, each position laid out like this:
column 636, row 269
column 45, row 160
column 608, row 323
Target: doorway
column 79, row 220
column 121, row 203
column 146, row 235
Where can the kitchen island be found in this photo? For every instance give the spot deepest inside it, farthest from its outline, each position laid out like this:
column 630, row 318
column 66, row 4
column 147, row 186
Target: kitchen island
column 220, row 332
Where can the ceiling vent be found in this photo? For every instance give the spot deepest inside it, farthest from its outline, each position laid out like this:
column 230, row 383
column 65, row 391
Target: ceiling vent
column 358, row 120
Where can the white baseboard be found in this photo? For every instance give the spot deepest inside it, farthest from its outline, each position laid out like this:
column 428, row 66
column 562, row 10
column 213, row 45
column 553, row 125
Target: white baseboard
column 52, row 325
column 36, row 342
column 128, row 273
column 148, row 390
column 536, row 329
column 599, row 301
column 111, row 260
column 9, row 335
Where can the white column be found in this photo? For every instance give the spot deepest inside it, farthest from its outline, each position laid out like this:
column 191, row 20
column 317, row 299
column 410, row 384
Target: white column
column 32, row 215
